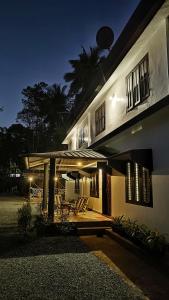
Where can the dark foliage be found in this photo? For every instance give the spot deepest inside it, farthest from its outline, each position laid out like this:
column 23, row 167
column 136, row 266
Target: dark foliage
column 45, row 228
column 84, row 70
column 140, row 234
column 45, row 114
column 24, row 218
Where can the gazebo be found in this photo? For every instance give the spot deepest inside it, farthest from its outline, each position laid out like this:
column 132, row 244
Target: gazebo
column 72, row 162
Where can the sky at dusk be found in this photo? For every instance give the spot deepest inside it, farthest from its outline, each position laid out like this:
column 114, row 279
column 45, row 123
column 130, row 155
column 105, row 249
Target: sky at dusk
column 38, row 37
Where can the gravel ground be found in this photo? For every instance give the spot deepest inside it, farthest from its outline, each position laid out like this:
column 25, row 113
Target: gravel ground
column 60, row 268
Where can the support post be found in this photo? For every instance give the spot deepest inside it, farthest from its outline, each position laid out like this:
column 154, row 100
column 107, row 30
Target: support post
column 106, row 188
column 51, row 199
column 45, row 186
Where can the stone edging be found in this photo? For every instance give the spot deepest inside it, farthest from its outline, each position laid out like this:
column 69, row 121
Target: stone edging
column 114, row 268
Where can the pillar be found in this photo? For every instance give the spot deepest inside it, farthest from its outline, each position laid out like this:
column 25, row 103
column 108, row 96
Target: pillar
column 51, row 200
column 106, row 187
column 45, row 186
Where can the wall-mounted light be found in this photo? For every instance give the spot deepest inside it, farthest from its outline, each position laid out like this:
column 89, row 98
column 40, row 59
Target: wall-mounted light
column 111, row 98
column 30, row 179
column 136, row 129
column 79, row 164
column 55, row 178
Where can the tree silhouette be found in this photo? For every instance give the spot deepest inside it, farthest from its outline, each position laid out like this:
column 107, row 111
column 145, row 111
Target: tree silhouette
column 84, row 69
column 45, row 113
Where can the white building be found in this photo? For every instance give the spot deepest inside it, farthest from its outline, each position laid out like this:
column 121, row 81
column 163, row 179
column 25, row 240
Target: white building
column 129, row 119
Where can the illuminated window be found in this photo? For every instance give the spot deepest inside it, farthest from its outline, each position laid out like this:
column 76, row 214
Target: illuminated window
column 138, row 84
column 100, row 119
column 138, row 184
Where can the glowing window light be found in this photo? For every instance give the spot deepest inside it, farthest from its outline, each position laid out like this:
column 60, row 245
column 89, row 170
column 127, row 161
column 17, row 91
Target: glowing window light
column 136, row 171
column 129, row 181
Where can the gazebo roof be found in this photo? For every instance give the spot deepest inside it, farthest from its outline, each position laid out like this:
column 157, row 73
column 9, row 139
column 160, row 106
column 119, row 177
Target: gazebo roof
column 86, row 153
column 67, row 159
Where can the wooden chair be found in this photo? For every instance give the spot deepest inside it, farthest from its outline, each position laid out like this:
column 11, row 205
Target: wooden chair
column 58, row 202
column 80, row 205
column 85, row 204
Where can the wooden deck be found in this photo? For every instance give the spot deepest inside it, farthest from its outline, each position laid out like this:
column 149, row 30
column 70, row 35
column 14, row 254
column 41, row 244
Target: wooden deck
column 88, row 216
column 89, row 222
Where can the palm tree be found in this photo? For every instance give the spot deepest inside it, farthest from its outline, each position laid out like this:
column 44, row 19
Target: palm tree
column 55, row 106
column 84, row 69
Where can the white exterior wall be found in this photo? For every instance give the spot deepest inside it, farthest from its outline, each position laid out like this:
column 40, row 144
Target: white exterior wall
column 70, row 191
column 154, row 135
column 154, row 130
column 96, row 203
column 152, row 41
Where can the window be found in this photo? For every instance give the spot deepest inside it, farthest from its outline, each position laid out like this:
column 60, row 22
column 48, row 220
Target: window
column 77, row 186
column 94, row 185
column 138, row 185
column 100, row 119
column 138, row 84
column 83, row 135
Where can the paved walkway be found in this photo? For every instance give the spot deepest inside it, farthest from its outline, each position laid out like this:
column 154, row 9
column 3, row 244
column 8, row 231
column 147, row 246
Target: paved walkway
column 147, row 275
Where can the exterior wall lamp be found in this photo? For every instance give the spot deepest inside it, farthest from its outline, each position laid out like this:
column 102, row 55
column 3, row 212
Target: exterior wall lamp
column 30, row 182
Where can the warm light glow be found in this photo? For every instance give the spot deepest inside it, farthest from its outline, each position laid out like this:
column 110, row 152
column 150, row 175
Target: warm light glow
column 136, row 129
column 115, row 99
column 55, row 178
column 79, row 163
column 30, row 179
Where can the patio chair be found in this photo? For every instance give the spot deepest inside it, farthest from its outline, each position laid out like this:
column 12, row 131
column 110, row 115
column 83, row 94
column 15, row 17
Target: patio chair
column 84, row 204
column 58, row 202
column 80, row 205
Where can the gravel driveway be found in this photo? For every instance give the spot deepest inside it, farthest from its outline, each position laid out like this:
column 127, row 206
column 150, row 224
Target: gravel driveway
column 60, row 268
column 9, row 207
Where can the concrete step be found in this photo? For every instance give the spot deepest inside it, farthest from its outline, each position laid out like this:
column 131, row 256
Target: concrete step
column 92, row 230
column 85, row 224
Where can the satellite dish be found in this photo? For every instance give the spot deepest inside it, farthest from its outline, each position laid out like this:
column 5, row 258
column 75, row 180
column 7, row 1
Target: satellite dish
column 105, row 37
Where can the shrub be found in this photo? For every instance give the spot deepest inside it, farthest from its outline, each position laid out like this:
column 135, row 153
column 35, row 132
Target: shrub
column 40, row 225
column 44, row 227
column 140, row 234
column 24, row 218
column 156, row 242
column 118, row 224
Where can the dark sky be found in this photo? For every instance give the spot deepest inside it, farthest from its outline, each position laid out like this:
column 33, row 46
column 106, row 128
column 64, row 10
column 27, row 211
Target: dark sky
column 38, row 37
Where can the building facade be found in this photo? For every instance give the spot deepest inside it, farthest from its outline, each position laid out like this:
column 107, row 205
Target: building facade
column 129, row 120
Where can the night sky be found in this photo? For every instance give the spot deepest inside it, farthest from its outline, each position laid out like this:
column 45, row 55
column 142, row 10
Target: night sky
column 38, row 37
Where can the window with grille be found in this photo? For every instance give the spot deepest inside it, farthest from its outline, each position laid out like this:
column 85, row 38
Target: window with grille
column 100, row 119
column 94, row 185
column 83, row 136
column 138, row 184
column 138, row 84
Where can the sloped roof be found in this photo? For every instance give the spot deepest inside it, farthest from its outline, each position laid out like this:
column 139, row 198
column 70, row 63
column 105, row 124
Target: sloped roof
column 70, row 154
column 64, row 159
